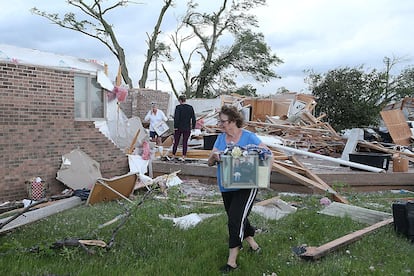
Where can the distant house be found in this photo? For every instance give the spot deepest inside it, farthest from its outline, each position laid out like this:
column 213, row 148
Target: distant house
column 49, row 105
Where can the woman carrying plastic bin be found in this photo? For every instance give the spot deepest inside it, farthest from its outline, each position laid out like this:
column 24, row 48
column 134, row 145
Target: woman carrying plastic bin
column 237, row 202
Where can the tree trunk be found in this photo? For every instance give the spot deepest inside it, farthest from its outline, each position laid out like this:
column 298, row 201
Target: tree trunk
column 152, row 45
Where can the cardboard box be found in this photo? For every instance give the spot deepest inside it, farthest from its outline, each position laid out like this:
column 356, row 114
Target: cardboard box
column 399, row 164
column 245, row 172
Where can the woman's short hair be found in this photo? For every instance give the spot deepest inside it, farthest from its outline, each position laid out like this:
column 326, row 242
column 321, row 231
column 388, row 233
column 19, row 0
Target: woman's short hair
column 233, row 114
column 182, row 98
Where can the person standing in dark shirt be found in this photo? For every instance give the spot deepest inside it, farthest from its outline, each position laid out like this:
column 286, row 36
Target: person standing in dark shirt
column 184, row 122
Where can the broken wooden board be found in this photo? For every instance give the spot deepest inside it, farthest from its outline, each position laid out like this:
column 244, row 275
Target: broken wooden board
column 314, row 177
column 314, row 253
column 356, row 213
column 299, row 178
column 32, row 216
column 114, row 188
column 378, row 147
column 309, row 180
column 397, row 126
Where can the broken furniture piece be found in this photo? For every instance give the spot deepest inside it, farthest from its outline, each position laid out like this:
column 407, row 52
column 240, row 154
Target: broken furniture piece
column 114, row 188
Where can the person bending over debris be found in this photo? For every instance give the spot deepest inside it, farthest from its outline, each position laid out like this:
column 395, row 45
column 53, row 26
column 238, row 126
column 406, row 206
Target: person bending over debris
column 237, row 202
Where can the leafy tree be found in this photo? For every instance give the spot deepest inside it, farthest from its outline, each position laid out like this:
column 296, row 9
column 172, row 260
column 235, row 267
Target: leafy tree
column 246, row 53
column 100, row 29
column 352, row 97
column 245, row 90
column 343, row 94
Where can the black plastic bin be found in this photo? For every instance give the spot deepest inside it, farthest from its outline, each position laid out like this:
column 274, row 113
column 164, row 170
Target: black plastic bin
column 209, row 141
column 373, row 159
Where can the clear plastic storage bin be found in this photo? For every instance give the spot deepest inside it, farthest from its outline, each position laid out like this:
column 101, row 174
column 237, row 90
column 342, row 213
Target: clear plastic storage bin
column 245, row 172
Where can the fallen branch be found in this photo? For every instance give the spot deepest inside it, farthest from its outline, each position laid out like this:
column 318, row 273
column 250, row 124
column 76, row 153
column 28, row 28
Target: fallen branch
column 125, row 218
column 22, row 212
column 78, row 243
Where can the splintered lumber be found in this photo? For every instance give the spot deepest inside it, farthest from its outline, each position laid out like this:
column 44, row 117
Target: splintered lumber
column 314, row 253
column 300, row 178
column 316, row 182
column 314, row 137
column 291, row 167
column 192, row 153
column 134, row 140
column 335, row 160
column 316, row 178
column 381, row 148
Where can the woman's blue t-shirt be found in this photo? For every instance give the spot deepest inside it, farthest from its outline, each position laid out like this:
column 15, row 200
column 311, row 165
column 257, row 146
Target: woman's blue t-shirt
column 247, row 138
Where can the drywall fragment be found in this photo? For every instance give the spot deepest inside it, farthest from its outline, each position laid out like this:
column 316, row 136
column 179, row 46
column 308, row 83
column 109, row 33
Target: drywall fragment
column 274, row 209
column 356, row 213
column 78, row 170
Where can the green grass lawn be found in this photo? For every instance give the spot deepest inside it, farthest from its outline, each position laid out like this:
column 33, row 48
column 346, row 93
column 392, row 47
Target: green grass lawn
column 148, row 245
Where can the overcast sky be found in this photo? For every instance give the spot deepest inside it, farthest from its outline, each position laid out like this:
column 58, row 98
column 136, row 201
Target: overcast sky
column 306, row 34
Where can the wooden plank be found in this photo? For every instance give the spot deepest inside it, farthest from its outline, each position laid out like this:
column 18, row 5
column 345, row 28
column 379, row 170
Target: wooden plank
column 381, row 148
column 299, row 178
column 292, row 167
column 316, row 178
column 35, row 215
column 134, row 140
column 314, row 253
column 397, row 126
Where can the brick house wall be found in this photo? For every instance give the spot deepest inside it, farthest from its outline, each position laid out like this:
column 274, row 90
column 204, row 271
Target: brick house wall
column 138, row 102
column 38, row 127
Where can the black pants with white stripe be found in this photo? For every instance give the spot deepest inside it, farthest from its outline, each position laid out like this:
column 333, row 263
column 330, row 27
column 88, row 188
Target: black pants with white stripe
column 238, row 205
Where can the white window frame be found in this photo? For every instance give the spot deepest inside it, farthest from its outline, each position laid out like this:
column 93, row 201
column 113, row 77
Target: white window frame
column 83, row 97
